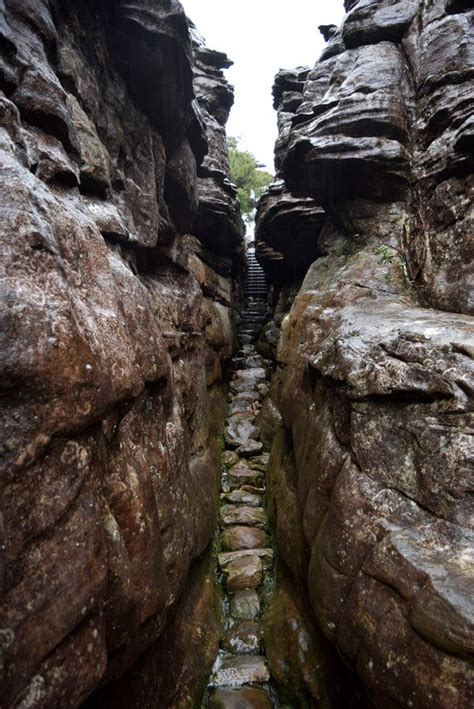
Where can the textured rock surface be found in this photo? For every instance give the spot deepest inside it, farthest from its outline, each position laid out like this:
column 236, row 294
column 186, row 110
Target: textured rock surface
column 116, row 326
column 287, row 227
column 371, row 473
column 174, row 672
column 303, row 664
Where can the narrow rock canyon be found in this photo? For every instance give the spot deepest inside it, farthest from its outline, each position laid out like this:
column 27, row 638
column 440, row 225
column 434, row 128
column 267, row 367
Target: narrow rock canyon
column 235, row 474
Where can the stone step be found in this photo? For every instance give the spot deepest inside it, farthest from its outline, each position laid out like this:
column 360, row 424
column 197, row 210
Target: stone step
column 245, row 605
column 243, row 573
column 240, row 537
column 240, row 432
column 253, row 489
column 228, row 557
column 242, row 497
column 260, row 462
column 233, row 515
column 243, row 638
column 255, row 361
column 242, row 407
column 250, row 448
column 245, row 698
column 242, row 475
column 245, row 669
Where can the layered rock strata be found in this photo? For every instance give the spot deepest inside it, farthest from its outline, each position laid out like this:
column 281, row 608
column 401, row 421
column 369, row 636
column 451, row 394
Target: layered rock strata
column 372, row 470
column 117, row 327
column 287, row 227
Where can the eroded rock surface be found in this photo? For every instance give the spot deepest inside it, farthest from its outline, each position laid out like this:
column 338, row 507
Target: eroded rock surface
column 117, row 324
column 371, row 473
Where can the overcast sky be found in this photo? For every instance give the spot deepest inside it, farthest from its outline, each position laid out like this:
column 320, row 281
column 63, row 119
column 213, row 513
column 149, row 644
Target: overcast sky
column 261, row 36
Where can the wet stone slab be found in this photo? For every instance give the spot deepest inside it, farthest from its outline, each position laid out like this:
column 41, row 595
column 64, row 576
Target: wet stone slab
column 265, row 555
column 243, row 573
column 245, row 605
column 243, row 638
column 241, row 537
column 232, row 515
column 242, row 497
column 243, row 475
column 245, row 698
column 259, row 462
column 250, row 448
column 238, row 670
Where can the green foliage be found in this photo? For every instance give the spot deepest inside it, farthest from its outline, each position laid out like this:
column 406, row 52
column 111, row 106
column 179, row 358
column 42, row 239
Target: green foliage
column 386, row 253
column 389, row 255
column 251, row 181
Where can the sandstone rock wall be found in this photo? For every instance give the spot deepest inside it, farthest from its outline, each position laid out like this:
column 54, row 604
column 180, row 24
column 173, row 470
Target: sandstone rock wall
column 372, row 469
column 122, row 238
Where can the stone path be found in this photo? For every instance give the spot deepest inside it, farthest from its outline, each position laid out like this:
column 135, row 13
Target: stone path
column 240, row 676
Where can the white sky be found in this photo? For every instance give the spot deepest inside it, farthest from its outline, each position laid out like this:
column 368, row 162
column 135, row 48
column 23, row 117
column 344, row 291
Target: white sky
column 261, row 36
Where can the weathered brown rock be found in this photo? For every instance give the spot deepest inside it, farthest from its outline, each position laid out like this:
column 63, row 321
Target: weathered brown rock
column 243, row 515
column 244, row 669
column 244, row 638
column 245, row 698
column 226, row 557
column 243, row 475
column 241, row 497
column 234, row 538
column 244, row 573
column 245, row 605
column 303, row 664
column 175, row 671
column 370, row 473
column 115, row 335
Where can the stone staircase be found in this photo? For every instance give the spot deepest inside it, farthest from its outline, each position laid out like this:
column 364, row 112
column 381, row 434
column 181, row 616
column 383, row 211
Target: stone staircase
column 241, row 676
column 256, row 308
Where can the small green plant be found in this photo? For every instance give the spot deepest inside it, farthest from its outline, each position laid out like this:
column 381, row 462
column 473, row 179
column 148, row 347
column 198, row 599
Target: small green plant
column 387, row 253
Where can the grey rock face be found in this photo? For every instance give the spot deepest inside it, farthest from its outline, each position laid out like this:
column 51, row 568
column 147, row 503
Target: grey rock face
column 376, row 390
column 218, row 224
column 287, row 227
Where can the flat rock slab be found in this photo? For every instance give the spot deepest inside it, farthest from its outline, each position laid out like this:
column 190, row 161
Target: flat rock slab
column 245, row 698
column 247, row 414
column 250, row 448
column 242, row 497
column 251, row 488
column 239, row 386
column 240, row 407
column 240, row 537
column 232, row 515
column 250, row 374
column 227, row 557
column 252, row 361
column 248, row 669
column 248, row 397
column 240, row 432
column 259, row 462
column 230, row 458
column 244, row 638
column 243, row 573
column 245, row 605
column 242, row 475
